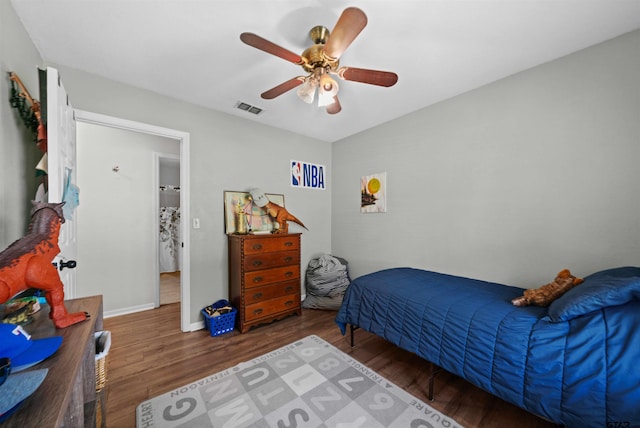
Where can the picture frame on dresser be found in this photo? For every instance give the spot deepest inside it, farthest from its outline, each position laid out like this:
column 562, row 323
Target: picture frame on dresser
column 257, row 218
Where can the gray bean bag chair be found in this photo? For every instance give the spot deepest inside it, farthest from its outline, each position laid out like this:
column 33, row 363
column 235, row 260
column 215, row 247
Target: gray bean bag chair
column 327, row 279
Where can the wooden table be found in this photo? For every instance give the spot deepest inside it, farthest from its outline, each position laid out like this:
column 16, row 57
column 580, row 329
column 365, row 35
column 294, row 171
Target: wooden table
column 67, row 397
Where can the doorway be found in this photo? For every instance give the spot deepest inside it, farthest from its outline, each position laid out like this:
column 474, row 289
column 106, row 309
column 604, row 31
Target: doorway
column 151, row 264
column 167, row 170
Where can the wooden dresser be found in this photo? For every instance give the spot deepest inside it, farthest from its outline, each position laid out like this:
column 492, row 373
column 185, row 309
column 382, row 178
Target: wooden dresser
column 264, row 277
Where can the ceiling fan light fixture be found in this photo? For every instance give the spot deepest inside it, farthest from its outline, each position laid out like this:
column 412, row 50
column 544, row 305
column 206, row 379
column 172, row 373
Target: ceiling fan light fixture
column 307, row 91
column 327, row 90
column 324, row 97
column 322, row 59
column 329, row 85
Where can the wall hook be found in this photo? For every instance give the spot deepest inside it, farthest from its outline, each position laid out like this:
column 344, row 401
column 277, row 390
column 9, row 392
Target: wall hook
column 116, row 168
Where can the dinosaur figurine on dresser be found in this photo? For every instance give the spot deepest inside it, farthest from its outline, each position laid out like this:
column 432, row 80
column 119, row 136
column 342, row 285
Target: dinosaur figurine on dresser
column 27, row 263
column 277, row 212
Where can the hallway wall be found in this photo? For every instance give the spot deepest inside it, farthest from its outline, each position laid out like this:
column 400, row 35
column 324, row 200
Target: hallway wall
column 116, row 233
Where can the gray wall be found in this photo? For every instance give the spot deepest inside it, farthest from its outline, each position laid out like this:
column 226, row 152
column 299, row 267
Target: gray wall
column 511, row 182
column 227, row 153
column 116, row 233
column 18, row 152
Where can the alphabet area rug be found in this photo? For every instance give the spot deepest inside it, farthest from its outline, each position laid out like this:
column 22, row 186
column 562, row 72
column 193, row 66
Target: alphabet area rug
column 308, row 383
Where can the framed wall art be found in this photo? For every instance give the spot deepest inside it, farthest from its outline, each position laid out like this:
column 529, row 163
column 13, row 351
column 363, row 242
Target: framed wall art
column 257, row 220
column 373, row 193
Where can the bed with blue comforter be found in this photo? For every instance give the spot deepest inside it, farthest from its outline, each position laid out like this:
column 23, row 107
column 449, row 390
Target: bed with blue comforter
column 576, row 363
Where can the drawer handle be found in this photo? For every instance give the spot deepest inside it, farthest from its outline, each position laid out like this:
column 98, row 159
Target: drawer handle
column 257, row 295
column 257, row 263
column 288, row 259
column 289, row 288
column 288, row 303
column 257, row 246
column 288, row 244
column 257, row 279
column 288, row 274
column 257, row 311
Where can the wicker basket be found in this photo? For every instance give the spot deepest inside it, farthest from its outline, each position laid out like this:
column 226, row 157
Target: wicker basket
column 222, row 323
column 103, row 345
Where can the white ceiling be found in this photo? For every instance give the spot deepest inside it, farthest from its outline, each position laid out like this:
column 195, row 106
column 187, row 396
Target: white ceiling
column 191, row 49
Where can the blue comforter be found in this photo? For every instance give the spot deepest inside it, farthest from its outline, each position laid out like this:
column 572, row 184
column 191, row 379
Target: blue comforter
column 581, row 372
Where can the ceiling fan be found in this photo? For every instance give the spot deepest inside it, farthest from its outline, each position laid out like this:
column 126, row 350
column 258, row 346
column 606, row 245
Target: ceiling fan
column 321, row 61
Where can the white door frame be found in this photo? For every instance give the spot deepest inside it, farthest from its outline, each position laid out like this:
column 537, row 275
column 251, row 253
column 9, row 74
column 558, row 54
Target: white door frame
column 183, row 139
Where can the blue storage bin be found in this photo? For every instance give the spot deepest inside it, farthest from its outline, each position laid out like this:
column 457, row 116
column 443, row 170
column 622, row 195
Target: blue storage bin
column 220, row 324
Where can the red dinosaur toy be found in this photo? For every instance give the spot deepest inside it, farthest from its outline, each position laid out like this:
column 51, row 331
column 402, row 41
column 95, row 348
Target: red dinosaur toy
column 282, row 216
column 27, row 263
column 279, row 213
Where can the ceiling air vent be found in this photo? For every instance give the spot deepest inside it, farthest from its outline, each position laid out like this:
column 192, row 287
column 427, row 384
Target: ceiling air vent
column 248, row 108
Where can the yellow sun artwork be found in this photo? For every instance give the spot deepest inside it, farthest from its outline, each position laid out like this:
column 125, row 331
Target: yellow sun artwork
column 373, row 185
column 373, row 198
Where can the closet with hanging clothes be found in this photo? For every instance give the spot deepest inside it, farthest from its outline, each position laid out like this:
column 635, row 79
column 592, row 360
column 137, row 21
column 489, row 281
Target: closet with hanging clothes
column 169, row 229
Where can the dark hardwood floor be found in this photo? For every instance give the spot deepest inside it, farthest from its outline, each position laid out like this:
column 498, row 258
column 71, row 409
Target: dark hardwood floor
column 150, row 356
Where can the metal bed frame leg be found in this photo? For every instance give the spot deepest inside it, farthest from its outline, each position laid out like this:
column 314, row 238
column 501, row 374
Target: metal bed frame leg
column 434, row 371
column 353, row 328
column 434, row 368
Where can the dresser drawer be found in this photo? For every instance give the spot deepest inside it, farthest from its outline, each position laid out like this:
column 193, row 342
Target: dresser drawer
column 273, row 306
column 268, row 292
column 260, row 261
column 271, row 244
column 270, row 276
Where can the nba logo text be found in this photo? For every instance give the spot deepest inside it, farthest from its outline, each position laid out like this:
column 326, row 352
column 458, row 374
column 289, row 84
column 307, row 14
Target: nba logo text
column 308, row 175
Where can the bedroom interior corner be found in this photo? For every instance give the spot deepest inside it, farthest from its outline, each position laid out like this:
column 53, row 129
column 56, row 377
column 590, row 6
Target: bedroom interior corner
column 494, row 202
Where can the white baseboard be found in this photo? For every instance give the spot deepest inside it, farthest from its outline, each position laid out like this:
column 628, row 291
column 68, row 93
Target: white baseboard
column 133, row 309
column 197, row 326
column 129, row 310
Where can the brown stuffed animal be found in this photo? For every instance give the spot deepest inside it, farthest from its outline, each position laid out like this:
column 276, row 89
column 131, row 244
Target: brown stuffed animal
column 546, row 294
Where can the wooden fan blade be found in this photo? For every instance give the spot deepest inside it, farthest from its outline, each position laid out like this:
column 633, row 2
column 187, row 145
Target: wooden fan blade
column 372, row 77
column 270, row 47
column 335, row 107
column 282, row 88
column 349, row 25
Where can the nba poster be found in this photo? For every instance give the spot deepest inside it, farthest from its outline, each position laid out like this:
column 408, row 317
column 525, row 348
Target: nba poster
column 307, row 175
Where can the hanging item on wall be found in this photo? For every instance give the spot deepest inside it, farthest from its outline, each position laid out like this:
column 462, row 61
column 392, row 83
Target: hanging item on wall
column 29, row 110
column 373, row 193
column 70, row 196
column 307, row 175
column 42, row 168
